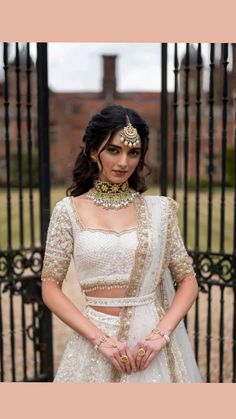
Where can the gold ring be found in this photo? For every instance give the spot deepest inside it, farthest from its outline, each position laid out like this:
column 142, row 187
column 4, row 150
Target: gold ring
column 141, row 352
column 124, row 358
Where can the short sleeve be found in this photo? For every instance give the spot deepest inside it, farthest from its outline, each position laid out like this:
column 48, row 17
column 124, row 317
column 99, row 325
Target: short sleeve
column 59, row 244
column 180, row 263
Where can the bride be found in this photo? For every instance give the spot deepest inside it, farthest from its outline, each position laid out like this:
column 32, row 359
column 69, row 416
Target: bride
column 128, row 254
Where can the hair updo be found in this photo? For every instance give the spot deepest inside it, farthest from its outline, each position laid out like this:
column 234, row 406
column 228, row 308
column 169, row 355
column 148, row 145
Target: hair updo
column 108, row 122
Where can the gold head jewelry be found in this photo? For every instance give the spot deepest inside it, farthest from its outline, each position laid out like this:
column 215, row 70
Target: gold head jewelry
column 129, row 136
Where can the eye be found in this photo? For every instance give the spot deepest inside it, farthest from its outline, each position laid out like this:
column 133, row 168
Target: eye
column 113, row 150
column 135, row 152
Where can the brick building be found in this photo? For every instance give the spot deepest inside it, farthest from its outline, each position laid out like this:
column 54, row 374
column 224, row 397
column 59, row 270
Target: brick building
column 70, row 113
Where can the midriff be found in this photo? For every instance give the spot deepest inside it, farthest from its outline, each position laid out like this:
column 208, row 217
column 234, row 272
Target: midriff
column 107, row 293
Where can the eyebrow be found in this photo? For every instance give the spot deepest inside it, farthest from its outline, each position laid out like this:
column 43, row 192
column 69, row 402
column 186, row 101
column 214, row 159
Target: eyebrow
column 117, row 146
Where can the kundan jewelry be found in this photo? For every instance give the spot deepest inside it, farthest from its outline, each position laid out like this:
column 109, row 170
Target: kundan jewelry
column 129, row 136
column 141, row 352
column 112, row 195
column 163, row 335
column 124, row 358
column 101, row 340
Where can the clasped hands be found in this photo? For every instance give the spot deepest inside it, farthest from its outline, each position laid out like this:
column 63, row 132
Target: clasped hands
column 127, row 361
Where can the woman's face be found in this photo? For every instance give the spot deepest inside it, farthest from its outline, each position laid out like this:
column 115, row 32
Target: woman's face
column 118, row 160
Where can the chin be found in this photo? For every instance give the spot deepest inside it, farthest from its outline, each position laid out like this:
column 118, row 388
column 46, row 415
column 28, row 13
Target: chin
column 115, row 179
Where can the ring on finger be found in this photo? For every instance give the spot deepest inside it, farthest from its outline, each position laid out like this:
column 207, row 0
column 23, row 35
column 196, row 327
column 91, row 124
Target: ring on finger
column 124, row 358
column 141, row 352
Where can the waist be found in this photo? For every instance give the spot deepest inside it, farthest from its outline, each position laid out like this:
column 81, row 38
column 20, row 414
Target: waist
column 120, row 302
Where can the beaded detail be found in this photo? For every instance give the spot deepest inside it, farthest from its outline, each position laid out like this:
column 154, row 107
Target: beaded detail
column 59, row 245
column 102, row 259
column 51, row 280
column 180, row 263
column 121, row 302
column 112, row 195
column 110, row 285
column 129, row 136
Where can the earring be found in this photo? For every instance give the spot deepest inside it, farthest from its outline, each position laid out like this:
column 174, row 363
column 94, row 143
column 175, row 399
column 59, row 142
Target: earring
column 93, row 158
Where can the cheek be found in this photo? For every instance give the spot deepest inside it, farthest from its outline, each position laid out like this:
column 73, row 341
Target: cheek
column 134, row 163
column 107, row 160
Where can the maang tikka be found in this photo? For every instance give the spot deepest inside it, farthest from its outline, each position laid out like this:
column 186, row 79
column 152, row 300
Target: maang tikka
column 129, row 136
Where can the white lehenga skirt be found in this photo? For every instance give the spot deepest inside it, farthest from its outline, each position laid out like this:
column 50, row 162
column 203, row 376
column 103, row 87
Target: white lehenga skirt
column 82, row 363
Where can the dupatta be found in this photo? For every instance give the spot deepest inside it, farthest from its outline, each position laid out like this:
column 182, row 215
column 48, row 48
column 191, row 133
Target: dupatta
column 160, row 259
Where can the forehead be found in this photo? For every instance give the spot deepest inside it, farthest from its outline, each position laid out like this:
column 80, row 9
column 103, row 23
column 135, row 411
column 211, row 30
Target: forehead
column 116, row 138
column 115, row 141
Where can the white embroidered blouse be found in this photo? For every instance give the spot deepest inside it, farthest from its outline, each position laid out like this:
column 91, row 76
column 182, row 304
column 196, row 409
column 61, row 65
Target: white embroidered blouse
column 104, row 258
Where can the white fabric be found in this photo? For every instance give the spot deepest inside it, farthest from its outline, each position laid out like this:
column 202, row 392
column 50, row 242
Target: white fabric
column 101, row 257
column 107, row 259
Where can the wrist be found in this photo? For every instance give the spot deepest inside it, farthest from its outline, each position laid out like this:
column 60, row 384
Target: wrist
column 162, row 334
column 94, row 337
column 166, row 329
column 100, row 341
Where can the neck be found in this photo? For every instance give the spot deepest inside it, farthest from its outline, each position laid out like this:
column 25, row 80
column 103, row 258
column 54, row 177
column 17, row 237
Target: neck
column 112, row 195
column 108, row 187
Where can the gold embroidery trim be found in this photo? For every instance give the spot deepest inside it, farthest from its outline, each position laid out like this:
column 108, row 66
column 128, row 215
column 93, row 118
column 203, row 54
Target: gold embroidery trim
column 172, row 207
column 168, row 348
column 136, row 275
column 102, row 230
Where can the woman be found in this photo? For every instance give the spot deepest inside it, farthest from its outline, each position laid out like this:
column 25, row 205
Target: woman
column 127, row 251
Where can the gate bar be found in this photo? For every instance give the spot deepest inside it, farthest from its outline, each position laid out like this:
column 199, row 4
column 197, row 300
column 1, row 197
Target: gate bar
column 46, row 355
column 164, row 119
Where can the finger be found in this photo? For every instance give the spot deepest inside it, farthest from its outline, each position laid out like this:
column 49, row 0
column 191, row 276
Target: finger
column 131, row 360
column 135, row 352
column 128, row 366
column 121, row 364
column 117, row 366
column 148, row 360
column 135, row 355
column 138, row 357
column 127, row 363
column 145, row 357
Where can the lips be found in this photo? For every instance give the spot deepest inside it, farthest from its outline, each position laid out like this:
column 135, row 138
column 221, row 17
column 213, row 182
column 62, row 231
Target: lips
column 120, row 171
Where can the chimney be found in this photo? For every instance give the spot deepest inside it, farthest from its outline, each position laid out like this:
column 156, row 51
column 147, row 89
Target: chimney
column 109, row 78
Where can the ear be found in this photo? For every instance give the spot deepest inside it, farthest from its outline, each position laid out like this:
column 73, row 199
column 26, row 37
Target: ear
column 93, row 158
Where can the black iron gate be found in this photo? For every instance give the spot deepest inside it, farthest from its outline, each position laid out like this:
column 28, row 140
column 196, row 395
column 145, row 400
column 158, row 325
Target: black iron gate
column 199, row 170
column 25, row 323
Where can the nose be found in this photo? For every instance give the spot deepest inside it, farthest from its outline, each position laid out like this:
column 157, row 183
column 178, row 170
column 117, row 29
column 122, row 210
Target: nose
column 123, row 160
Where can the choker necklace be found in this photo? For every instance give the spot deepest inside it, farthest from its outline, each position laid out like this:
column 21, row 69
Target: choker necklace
column 112, row 195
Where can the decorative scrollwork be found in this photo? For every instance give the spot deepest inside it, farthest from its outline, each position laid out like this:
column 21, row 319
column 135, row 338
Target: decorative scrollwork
column 214, row 268
column 17, row 263
column 3, row 265
column 36, row 261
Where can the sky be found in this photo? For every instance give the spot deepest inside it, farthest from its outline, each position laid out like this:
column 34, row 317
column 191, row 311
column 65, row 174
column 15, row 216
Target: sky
column 78, row 66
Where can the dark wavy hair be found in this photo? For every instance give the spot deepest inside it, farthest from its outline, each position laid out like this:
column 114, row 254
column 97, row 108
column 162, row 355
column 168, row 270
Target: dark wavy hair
column 108, row 122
